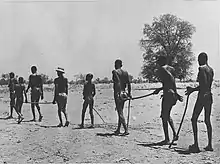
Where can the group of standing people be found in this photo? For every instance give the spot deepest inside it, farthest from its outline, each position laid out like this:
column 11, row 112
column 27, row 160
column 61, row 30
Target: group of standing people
column 166, row 75
column 17, row 90
column 120, row 77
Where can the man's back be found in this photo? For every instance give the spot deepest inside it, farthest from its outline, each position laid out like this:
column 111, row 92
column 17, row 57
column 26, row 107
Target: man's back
column 166, row 75
column 62, row 84
column 120, row 76
column 205, row 78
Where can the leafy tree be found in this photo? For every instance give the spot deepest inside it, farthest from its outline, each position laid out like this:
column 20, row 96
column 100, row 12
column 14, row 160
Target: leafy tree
column 169, row 36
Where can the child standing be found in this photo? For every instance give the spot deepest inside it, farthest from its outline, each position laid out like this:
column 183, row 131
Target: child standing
column 88, row 94
column 11, row 86
column 19, row 91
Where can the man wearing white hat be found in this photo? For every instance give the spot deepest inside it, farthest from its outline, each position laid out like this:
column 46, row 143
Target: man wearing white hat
column 60, row 95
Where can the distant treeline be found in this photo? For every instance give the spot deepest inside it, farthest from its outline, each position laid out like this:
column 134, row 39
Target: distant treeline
column 79, row 79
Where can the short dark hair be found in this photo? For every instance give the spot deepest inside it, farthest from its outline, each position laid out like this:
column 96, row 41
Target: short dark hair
column 21, row 80
column 89, row 76
column 118, row 62
column 34, row 68
column 203, row 56
column 12, row 74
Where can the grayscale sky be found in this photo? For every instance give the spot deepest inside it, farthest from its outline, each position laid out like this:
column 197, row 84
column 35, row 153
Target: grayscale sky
column 88, row 36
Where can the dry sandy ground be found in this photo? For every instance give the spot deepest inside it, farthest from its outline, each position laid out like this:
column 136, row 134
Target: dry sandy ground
column 42, row 142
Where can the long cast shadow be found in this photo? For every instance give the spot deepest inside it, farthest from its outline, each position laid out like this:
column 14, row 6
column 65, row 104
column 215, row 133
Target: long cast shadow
column 110, row 134
column 6, row 118
column 28, row 121
column 47, row 126
column 2, row 118
column 182, row 151
column 185, row 151
column 155, row 145
column 106, row 134
column 154, row 88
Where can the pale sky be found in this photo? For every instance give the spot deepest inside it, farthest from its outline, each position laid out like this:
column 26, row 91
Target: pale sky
column 87, row 37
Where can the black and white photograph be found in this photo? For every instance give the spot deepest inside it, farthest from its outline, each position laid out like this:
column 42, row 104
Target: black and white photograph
column 109, row 81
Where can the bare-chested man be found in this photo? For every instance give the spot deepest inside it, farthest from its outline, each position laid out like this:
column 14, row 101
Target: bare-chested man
column 204, row 100
column 170, row 96
column 88, row 94
column 60, row 95
column 11, row 86
column 121, row 80
column 19, row 92
column 36, row 85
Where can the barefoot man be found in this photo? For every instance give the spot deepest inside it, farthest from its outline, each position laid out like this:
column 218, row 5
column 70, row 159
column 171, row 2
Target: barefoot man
column 60, row 95
column 19, row 92
column 36, row 85
column 88, row 94
column 204, row 100
column 121, row 80
column 170, row 96
column 11, row 86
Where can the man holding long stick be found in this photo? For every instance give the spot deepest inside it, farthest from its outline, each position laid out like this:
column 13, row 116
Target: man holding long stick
column 170, row 96
column 204, row 100
column 121, row 80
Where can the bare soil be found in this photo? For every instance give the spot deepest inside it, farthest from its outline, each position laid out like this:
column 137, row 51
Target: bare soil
column 43, row 142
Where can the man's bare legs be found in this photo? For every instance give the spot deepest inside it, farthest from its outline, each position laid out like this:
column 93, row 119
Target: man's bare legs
column 35, row 102
column 208, row 108
column 196, row 112
column 121, row 119
column 166, row 119
column 91, row 114
column 85, row 105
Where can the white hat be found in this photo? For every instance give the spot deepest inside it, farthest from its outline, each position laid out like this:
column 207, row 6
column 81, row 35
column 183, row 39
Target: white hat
column 59, row 69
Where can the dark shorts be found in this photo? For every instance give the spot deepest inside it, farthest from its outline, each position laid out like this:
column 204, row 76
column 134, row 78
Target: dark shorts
column 61, row 102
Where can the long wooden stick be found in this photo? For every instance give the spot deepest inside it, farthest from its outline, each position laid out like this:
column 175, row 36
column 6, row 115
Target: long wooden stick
column 38, row 102
column 129, row 105
column 177, row 135
column 99, row 115
column 139, row 97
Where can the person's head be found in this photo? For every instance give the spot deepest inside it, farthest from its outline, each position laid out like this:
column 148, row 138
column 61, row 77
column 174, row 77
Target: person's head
column 21, row 80
column 11, row 75
column 118, row 63
column 202, row 58
column 89, row 77
column 33, row 69
column 60, row 71
column 161, row 60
